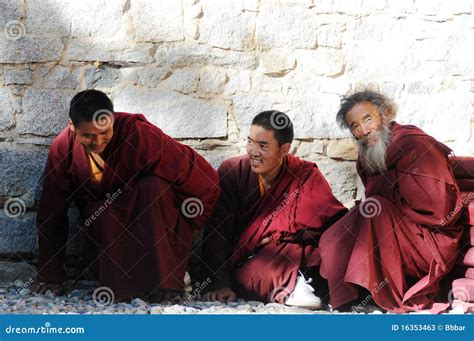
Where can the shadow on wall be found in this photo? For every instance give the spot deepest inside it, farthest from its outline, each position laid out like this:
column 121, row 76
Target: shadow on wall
column 51, row 49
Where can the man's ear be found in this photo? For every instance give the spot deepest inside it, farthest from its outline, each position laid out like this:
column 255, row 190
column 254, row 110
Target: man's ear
column 285, row 149
column 71, row 126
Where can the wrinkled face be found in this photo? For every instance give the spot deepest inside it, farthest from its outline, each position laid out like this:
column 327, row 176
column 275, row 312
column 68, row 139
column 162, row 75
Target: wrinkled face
column 365, row 121
column 373, row 135
column 263, row 150
column 93, row 137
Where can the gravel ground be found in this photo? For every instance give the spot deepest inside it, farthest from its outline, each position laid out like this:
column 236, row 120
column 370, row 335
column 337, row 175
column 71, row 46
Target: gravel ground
column 86, row 297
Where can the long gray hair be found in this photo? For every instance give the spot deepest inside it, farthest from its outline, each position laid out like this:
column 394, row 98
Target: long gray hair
column 384, row 105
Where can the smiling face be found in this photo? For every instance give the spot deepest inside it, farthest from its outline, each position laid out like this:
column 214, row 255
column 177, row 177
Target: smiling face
column 95, row 139
column 371, row 130
column 265, row 155
column 364, row 121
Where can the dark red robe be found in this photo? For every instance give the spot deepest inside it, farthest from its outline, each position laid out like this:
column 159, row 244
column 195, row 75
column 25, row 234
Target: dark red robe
column 296, row 209
column 135, row 216
column 403, row 238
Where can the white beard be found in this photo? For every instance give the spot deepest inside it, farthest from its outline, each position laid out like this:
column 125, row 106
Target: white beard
column 375, row 155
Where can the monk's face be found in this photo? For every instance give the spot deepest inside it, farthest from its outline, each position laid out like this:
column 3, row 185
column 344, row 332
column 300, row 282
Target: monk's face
column 91, row 136
column 371, row 130
column 365, row 120
column 263, row 150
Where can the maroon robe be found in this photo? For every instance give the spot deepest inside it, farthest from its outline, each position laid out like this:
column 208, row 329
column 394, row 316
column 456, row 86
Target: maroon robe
column 135, row 216
column 403, row 239
column 296, row 209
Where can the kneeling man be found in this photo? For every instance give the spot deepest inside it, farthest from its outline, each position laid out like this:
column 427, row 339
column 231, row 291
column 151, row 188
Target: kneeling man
column 266, row 226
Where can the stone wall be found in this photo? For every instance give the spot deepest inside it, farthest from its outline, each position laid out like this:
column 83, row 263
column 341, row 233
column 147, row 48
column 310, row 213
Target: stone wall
column 201, row 70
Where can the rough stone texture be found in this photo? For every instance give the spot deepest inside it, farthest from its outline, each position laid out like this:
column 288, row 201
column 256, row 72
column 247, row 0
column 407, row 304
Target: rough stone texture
column 69, row 17
column 20, row 174
column 20, row 77
column 45, row 112
column 118, row 52
column 13, row 271
column 6, row 110
column 18, row 234
column 342, row 178
column 178, row 115
column 157, row 21
column 344, row 149
column 201, row 70
column 30, row 49
column 277, row 63
column 9, row 10
column 286, row 26
column 104, row 77
column 184, row 80
column 220, row 27
column 60, row 77
column 212, row 80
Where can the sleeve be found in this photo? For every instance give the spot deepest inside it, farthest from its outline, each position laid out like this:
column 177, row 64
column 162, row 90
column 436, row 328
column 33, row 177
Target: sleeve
column 427, row 192
column 219, row 233
column 188, row 172
column 51, row 219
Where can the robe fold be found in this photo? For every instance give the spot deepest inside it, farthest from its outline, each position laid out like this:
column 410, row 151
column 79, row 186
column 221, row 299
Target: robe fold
column 292, row 213
column 403, row 238
column 136, row 215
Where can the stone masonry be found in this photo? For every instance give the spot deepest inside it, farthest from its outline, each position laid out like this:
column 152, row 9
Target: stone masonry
column 201, row 69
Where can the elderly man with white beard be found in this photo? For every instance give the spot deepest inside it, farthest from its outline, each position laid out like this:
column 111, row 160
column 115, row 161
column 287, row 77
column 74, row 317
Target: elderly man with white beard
column 393, row 247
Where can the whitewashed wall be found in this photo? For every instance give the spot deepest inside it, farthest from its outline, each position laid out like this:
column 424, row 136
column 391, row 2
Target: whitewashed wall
column 202, row 69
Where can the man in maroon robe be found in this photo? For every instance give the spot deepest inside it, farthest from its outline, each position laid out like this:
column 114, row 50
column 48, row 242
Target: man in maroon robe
column 142, row 195
column 265, row 229
column 403, row 238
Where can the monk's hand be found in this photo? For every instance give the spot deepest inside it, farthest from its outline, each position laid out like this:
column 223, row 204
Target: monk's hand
column 41, row 288
column 225, row 294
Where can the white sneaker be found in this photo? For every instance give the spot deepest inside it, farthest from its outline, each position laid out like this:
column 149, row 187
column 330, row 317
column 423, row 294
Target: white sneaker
column 303, row 296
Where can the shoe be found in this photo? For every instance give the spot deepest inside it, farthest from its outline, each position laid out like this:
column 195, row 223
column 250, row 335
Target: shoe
column 302, row 296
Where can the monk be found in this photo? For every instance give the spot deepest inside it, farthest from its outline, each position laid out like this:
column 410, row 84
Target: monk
column 142, row 196
column 265, row 230
column 400, row 241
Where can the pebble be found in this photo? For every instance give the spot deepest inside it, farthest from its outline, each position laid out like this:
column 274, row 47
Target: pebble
column 18, row 283
column 49, row 294
column 156, row 310
column 77, row 293
column 24, row 292
column 137, row 302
